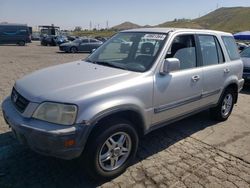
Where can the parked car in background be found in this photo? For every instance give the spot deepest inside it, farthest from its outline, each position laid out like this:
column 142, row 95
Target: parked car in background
column 245, row 56
column 52, row 40
column 241, row 46
column 81, row 45
column 15, row 34
column 61, row 39
column 98, row 108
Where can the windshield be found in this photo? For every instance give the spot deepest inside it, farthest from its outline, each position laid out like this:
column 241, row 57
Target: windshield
column 245, row 53
column 130, row 51
column 77, row 41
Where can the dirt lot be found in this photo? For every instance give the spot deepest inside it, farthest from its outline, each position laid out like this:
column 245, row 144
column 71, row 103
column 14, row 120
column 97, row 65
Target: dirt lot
column 195, row 152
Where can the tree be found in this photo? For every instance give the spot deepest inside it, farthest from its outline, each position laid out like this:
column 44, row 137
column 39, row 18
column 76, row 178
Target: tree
column 78, row 28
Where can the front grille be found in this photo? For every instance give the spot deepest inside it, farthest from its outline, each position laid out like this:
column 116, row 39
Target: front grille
column 246, row 70
column 19, row 101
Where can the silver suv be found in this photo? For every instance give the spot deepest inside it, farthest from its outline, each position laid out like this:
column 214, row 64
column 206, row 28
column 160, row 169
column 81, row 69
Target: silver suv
column 98, row 107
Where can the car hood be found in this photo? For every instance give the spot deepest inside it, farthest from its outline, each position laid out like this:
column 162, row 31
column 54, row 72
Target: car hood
column 69, row 82
column 246, row 61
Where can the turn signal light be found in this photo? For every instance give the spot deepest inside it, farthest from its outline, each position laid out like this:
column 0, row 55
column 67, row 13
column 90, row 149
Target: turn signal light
column 69, row 143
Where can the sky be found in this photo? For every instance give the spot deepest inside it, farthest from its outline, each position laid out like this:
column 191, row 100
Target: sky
column 70, row 13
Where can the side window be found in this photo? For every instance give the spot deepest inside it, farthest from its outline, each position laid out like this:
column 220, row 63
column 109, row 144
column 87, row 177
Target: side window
column 210, row 50
column 183, row 48
column 231, row 47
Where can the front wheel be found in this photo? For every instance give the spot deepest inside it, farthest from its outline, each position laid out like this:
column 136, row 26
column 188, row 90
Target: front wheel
column 111, row 149
column 73, row 49
column 225, row 106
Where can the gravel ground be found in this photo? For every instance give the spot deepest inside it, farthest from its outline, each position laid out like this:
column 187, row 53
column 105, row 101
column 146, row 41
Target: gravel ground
column 168, row 157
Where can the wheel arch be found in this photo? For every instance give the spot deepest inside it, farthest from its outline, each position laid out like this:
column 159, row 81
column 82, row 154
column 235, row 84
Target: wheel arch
column 129, row 113
column 234, row 87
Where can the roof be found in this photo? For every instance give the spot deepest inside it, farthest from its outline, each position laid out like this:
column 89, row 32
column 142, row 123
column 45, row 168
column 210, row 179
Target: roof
column 48, row 26
column 12, row 24
column 167, row 30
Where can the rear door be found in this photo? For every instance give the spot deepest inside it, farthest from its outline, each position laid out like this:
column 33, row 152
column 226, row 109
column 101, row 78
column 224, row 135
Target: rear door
column 179, row 93
column 215, row 70
column 93, row 44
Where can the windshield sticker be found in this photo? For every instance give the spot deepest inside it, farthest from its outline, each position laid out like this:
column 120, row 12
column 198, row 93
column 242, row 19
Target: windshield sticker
column 155, row 36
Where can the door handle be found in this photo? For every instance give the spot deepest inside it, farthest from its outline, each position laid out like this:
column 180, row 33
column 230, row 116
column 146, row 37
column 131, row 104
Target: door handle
column 226, row 70
column 195, row 78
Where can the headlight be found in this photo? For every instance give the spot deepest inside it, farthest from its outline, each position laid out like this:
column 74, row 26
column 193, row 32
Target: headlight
column 64, row 114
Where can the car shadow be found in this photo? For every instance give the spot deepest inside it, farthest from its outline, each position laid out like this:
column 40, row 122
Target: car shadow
column 246, row 89
column 21, row 167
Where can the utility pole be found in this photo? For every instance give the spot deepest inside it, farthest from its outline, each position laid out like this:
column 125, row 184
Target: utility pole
column 90, row 25
column 107, row 24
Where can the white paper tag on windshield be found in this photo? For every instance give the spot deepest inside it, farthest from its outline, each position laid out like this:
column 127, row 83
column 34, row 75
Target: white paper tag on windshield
column 154, row 36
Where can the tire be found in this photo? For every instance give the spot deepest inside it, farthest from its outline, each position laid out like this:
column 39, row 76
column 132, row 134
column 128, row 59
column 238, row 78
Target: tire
column 21, row 43
column 99, row 144
column 225, row 106
column 73, row 49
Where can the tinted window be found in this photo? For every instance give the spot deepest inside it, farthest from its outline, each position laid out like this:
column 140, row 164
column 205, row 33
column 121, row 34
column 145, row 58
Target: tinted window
column 210, row 49
column 245, row 53
column 183, row 48
column 231, row 47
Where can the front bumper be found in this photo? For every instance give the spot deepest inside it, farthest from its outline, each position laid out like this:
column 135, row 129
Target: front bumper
column 241, row 84
column 64, row 48
column 43, row 137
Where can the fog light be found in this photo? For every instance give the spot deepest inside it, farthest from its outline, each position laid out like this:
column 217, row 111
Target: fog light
column 69, row 143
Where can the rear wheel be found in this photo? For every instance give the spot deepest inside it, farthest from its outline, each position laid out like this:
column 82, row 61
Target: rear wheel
column 111, row 149
column 21, row 43
column 73, row 49
column 225, row 106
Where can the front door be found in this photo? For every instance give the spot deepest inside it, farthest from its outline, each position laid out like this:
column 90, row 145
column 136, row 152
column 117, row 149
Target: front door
column 179, row 92
column 84, row 46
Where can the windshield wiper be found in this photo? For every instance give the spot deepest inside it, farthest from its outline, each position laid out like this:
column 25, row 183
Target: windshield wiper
column 105, row 63
column 109, row 64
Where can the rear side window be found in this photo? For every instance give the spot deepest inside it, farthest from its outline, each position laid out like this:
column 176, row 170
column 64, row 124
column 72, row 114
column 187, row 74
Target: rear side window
column 231, row 47
column 211, row 50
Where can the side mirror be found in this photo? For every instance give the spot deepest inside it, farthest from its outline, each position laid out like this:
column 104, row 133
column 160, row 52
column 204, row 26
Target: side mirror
column 170, row 65
column 93, row 50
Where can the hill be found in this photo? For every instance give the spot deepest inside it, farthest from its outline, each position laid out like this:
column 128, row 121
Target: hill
column 126, row 25
column 225, row 19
